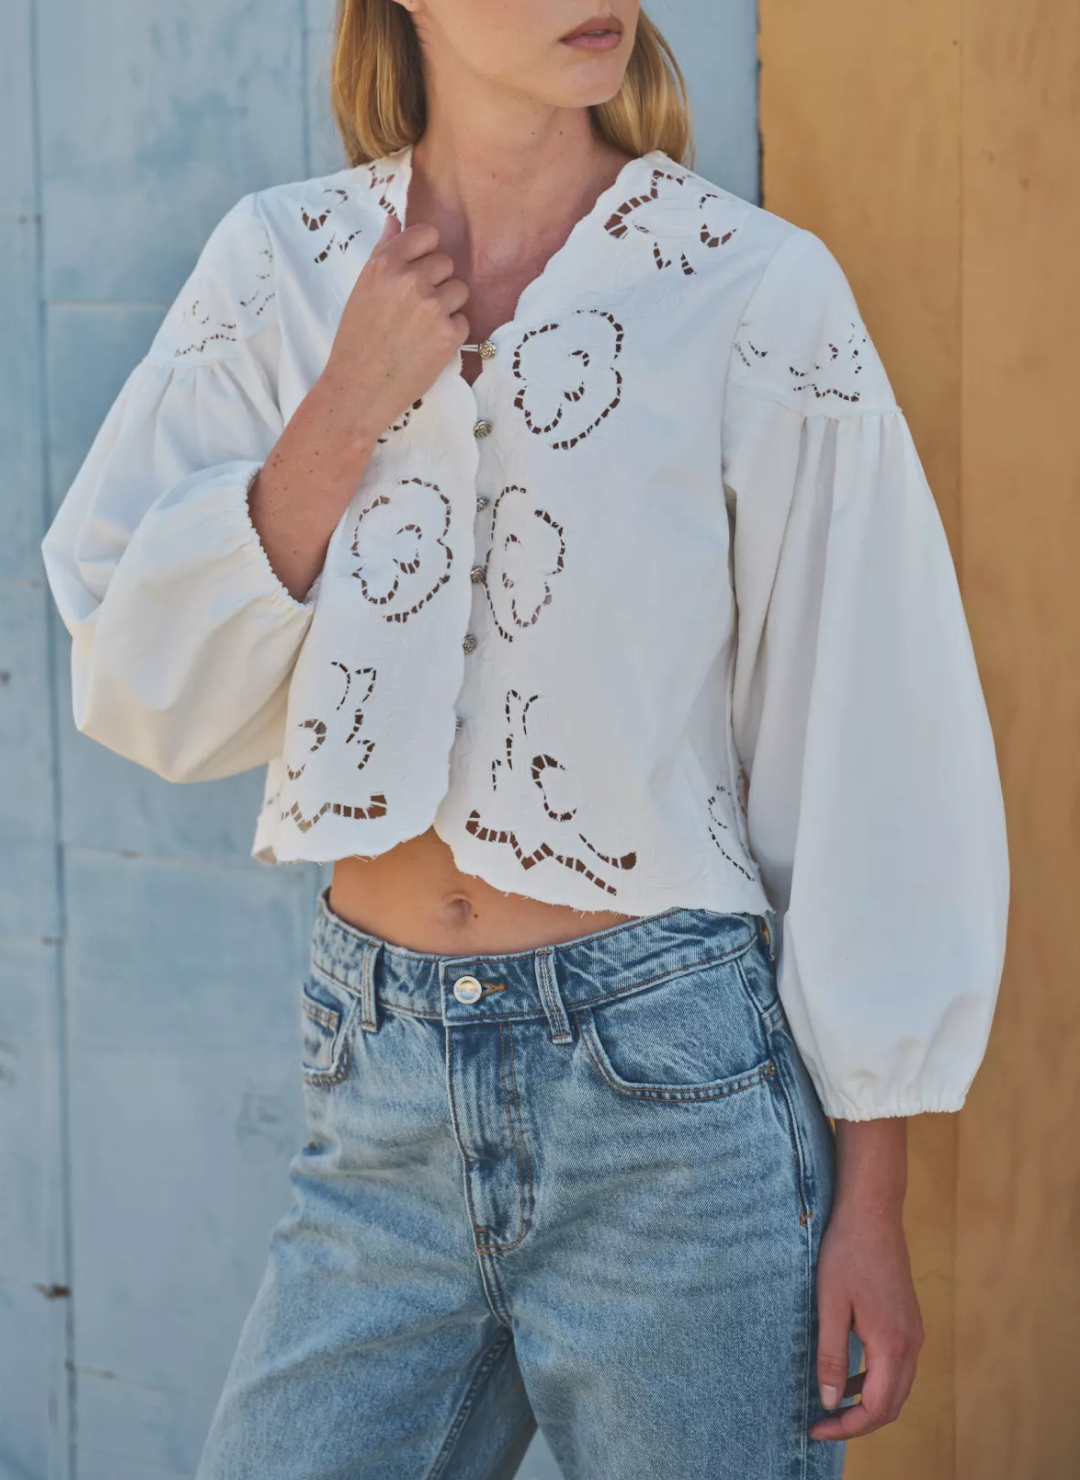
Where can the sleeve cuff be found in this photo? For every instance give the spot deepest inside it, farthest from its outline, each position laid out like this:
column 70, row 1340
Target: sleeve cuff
column 839, row 1107
column 253, row 545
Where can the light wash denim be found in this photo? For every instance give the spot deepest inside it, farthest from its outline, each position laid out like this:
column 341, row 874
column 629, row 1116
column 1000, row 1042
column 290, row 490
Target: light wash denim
column 591, row 1198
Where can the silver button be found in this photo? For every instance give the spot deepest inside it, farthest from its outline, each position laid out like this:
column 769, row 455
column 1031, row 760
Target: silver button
column 481, row 429
column 476, row 575
column 487, row 350
column 482, row 501
column 468, row 990
column 458, row 722
column 469, row 642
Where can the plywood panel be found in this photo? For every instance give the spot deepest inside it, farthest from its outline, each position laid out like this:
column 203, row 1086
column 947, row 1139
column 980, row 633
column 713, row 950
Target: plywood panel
column 1018, row 1275
column 860, row 104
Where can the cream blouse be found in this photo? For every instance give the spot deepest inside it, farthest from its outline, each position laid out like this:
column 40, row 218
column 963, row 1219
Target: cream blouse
column 658, row 612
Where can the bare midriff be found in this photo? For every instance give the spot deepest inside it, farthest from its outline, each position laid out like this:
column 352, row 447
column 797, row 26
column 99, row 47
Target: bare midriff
column 414, row 895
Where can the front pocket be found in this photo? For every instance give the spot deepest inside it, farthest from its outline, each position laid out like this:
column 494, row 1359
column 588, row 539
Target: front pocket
column 697, row 1036
column 326, row 1020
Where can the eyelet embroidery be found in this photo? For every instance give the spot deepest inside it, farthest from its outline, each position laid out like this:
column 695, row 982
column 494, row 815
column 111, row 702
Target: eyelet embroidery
column 716, row 824
column 315, row 220
column 675, row 208
column 401, row 563
column 402, row 421
column 759, row 354
column 843, row 363
column 375, row 805
column 527, row 549
column 210, row 316
column 379, row 182
column 539, row 766
column 569, row 378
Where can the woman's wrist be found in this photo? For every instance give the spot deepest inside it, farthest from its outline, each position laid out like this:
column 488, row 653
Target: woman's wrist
column 871, row 1168
column 339, row 418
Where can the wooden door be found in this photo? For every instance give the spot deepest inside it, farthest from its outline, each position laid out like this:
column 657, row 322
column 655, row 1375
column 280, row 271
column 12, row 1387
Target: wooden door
column 935, row 146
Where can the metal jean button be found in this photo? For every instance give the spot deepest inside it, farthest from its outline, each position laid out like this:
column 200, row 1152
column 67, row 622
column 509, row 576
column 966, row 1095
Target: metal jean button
column 468, row 990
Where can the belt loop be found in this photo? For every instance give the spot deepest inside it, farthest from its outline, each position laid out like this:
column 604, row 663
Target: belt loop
column 551, row 997
column 368, row 1016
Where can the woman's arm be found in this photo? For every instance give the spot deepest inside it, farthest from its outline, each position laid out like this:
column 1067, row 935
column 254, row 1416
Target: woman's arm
column 864, row 1279
column 400, row 327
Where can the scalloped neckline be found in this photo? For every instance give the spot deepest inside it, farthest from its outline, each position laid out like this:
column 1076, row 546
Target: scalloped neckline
column 396, row 191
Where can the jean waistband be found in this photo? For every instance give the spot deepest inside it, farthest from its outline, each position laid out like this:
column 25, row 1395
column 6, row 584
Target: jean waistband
column 545, row 981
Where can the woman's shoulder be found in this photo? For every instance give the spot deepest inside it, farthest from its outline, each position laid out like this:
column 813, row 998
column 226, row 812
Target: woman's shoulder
column 323, row 225
column 801, row 336
column 753, row 252
column 328, row 217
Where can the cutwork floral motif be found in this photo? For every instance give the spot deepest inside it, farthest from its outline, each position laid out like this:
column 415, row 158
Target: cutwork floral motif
column 402, row 558
column 198, row 326
column 569, row 379
column 343, row 727
column 683, row 221
column 380, row 182
column 530, row 776
column 720, row 829
column 526, row 553
column 834, row 374
column 322, row 220
column 402, row 421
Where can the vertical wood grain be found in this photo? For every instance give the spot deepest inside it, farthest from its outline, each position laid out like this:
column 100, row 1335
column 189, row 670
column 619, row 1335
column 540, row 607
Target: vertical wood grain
column 935, row 149
column 860, row 107
column 852, row 99
column 1018, row 1275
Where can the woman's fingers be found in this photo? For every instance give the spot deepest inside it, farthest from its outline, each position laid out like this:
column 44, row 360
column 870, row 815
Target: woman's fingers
column 887, row 1381
column 834, row 1329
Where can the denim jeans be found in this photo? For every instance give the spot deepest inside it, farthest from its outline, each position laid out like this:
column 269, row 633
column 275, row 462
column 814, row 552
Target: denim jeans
column 582, row 1186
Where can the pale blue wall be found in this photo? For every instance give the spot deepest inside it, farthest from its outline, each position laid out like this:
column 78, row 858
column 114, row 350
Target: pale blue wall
column 149, row 1096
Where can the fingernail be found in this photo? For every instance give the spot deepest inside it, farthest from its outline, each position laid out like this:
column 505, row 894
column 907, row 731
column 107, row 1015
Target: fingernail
column 830, row 1396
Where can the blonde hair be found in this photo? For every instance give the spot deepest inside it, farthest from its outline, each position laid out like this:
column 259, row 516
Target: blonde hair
column 379, row 103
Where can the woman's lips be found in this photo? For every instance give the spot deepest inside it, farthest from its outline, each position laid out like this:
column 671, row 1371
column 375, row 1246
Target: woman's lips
column 594, row 35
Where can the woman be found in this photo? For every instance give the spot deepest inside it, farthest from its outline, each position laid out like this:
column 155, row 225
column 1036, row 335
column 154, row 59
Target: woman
column 541, row 516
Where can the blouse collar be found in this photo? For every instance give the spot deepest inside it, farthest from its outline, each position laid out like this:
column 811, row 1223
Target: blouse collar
column 592, row 242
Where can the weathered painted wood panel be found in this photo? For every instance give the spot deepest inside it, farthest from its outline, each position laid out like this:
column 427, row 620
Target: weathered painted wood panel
column 149, row 1091
column 34, row 1327
column 935, row 147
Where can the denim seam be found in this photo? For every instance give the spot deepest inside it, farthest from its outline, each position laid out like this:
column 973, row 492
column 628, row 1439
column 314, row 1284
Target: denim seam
column 808, row 1363
column 326, row 1017
column 483, row 1371
column 798, row 1152
column 531, row 1015
column 487, row 1272
column 718, row 1090
column 343, row 1060
column 521, row 1152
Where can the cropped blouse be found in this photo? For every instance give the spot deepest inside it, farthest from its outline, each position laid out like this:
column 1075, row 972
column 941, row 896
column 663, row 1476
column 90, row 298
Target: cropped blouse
column 658, row 612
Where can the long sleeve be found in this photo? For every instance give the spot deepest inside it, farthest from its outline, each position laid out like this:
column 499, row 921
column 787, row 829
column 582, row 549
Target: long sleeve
column 183, row 637
column 874, row 803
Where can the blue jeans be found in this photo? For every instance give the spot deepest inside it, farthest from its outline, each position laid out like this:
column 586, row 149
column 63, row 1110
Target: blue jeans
column 582, row 1185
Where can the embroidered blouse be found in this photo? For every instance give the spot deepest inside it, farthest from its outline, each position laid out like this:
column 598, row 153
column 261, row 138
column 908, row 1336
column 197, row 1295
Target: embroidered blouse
column 658, row 612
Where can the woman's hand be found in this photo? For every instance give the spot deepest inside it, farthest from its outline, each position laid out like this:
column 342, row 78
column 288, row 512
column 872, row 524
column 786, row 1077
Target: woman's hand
column 400, row 328
column 864, row 1281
